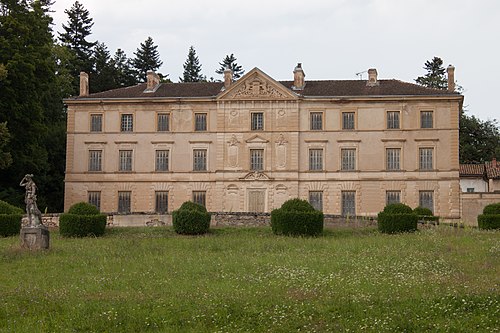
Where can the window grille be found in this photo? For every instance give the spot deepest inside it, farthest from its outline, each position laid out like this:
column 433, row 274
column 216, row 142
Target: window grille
column 316, row 121
column 392, row 197
column 96, row 123
column 125, row 160
column 94, row 198
column 426, row 119
column 124, row 202
column 348, row 203
column 127, row 123
column 426, row 158
column 347, row 120
column 95, row 160
column 161, row 202
column 348, row 159
column 161, row 160
column 200, row 160
column 200, row 122
column 393, row 157
column 316, row 199
column 163, row 122
column 257, row 121
column 256, row 159
column 200, row 197
column 426, row 200
column 315, row 159
column 393, row 119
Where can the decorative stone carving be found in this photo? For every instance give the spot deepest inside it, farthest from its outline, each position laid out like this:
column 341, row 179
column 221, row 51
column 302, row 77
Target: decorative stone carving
column 281, row 151
column 232, row 151
column 256, row 175
column 258, row 88
column 35, row 235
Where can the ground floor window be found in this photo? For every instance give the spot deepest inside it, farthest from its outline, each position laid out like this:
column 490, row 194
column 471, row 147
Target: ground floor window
column 94, row 198
column 124, row 202
column 161, row 202
column 392, row 197
column 200, row 197
column 348, row 203
column 316, row 199
column 426, row 200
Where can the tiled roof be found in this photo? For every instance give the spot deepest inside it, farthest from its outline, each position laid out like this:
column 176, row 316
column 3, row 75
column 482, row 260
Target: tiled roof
column 476, row 170
column 327, row 88
column 492, row 169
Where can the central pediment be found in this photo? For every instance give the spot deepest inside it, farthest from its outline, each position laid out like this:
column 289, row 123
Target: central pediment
column 257, row 85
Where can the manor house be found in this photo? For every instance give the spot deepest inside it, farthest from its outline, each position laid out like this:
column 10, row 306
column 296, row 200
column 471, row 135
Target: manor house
column 349, row 147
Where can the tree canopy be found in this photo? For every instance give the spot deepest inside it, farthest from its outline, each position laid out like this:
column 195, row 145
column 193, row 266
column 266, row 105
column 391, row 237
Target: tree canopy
column 229, row 61
column 192, row 68
column 435, row 77
column 147, row 58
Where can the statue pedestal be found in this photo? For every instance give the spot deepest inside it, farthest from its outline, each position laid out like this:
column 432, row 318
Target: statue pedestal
column 35, row 238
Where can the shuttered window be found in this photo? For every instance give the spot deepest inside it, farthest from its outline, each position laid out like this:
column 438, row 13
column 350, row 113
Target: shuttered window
column 392, row 158
column 347, row 120
column 257, row 121
column 392, row 197
column 348, row 159
column 95, row 160
column 426, row 119
column 348, row 203
column 316, row 199
column 161, row 202
column 94, row 198
column 96, row 123
column 256, row 159
column 163, row 122
column 392, row 119
column 200, row 122
column 426, row 158
column 426, row 200
column 315, row 159
column 124, row 202
column 200, row 197
column 161, row 163
column 316, row 121
column 125, row 160
column 199, row 159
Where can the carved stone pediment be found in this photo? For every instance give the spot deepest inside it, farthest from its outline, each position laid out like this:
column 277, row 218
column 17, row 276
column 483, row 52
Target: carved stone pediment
column 256, row 175
column 256, row 139
column 256, row 85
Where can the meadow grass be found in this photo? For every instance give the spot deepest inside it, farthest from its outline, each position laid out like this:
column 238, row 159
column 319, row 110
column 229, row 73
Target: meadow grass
column 248, row 280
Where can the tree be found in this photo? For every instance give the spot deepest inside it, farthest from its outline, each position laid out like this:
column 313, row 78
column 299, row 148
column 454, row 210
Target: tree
column 125, row 74
column 147, row 58
column 435, row 77
column 74, row 38
column 230, row 62
column 104, row 73
column 3, row 72
column 479, row 140
column 5, row 157
column 192, row 68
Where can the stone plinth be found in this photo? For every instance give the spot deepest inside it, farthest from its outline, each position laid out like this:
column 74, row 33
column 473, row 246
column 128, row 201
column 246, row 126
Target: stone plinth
column 35, row 238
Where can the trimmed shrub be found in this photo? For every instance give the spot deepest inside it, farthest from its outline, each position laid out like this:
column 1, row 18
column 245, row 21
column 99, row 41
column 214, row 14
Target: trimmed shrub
column 397, row 208
column 422, row 211
column 81, row 220
column 83, row 208
column 6, row 208
column 10, row 224
column 396, row 223
column 490, row 219
column 297, row 218
column 191, row 219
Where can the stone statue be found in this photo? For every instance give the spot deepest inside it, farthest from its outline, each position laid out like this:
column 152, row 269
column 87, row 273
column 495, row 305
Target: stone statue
column 34, row 214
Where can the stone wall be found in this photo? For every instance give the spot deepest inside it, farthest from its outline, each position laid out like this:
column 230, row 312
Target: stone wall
column 474, row 203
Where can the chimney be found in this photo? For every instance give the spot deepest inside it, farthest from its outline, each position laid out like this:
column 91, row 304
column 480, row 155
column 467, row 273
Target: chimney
column 298, row 77
column 84, row 84
column 451, row 78
column 372, row 78
column 153, row 80
column 228, row 77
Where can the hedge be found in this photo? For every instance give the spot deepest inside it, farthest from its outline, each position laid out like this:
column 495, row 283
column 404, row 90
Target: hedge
column 492, row 209
column 73, row 225
column 422, row 211
column 83, row 208
column 6, row 208
column 397, row 208
column 297, row 217
column 10, row 224
column 490, row 219
column 395, row 223
column 191, row 219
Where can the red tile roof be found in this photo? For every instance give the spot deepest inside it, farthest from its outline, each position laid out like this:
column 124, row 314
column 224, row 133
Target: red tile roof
column 472, row 170
column 492, row 169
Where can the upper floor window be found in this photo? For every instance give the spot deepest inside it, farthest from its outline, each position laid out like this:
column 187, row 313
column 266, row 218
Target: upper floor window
column 125, row 160
column 127, row 123
column 392, row 119
column 315, row 159
column 199, row 159
column 96, row 123
column 161, row 163
column 316, row 121
column 200, row 197
column 426, row 119
column 392, row 197
column 124, row 205
column 426, row 158
column 256, row 159
column 94, row 198
column 393, row 158
column 316, row 199
column 163, row 122
column 348, row 159
column 95, row 160
column 347, row 120
column 161, row 202
column 200, row 122
column 257, row 121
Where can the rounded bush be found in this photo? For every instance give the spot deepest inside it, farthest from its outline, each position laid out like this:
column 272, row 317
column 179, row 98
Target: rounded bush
column 396, row 223
column 488, row 221
column 297, row 218
column 191, row 219
column 10, row 224
column 72, row 225
column 492, row 209
column 6, row 208
column 397, row 208
column 83, row 208
column 422, row 211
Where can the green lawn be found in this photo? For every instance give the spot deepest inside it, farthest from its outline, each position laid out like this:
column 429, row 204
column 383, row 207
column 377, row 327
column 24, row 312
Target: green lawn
column 246, row 280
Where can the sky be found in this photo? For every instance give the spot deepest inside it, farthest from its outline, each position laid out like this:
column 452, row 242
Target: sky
column 333, row 39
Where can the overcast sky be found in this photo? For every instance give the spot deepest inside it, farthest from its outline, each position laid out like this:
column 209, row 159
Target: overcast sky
column 333, row 39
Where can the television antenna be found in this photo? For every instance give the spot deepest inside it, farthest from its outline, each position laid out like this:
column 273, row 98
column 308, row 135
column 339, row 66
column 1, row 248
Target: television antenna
column 360, row 74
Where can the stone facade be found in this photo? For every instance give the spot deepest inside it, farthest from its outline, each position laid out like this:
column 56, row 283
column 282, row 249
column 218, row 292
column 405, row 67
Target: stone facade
column 249, row 145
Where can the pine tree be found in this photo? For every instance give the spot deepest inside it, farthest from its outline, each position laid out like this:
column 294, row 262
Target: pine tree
column 104, row 73
column 75, row 36
column 230, row 61
column 147, row 58
column 192, row 68
column 435, row 77
column 125, row 74
column 5, row 157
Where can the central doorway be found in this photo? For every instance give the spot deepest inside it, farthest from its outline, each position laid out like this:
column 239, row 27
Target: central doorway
column 256, row 201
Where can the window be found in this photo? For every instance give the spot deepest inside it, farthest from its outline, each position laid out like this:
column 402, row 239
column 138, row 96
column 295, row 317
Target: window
column 347, row 120
column 127, row 124
column 392, row 197
column 161, row 160
column 392, row 119
column 316, row 121
column 425, row 158
column 426, row 120
column 200, row 121
column 200, row 197
column 315, row 159
column 161, row 202
column 392, row 158
column 348, row 203
column 316, row 199
column 348, row 159
column 470, row 189
column 94, row 198
column 163, row 122
column 125, row 160
column 257, row 121
column 95, row 160
column 256, row 159
column 426, row 200
column 199, row 159
column 124, row 202
column 96, row 123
